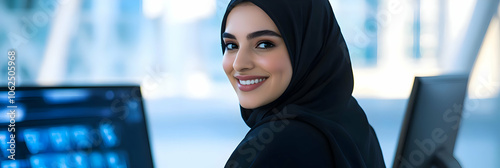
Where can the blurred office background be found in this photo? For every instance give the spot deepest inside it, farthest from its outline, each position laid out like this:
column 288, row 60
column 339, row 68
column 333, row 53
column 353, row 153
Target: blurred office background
column 172, row 49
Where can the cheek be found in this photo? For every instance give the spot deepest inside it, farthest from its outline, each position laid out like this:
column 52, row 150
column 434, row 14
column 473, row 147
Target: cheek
column 227, row 64
column 278, row 64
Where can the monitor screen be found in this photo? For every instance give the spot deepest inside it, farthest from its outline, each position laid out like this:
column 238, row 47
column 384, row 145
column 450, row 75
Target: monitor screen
column 431, row 122
column 74, row 127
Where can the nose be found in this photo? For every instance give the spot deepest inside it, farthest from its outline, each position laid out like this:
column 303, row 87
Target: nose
column 243, row 60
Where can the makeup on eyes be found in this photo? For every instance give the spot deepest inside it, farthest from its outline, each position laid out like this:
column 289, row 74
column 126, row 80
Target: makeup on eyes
column 271, row 44
column 251, row 36
column 268, row 45
column 233, row 46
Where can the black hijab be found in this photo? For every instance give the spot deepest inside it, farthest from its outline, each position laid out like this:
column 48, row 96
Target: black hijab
column 320, row 91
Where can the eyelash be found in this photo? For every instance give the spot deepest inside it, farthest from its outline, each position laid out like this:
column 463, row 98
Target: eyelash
column 270, row 45
column 227, row 44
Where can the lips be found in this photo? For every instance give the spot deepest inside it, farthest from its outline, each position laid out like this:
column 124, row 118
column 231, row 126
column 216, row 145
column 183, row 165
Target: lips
column 248, row 83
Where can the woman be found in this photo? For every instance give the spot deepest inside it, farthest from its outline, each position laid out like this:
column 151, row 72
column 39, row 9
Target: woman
column 289, row 65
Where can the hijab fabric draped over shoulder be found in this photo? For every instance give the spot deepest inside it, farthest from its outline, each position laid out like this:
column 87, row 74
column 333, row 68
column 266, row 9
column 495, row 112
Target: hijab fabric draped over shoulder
column 317, row 102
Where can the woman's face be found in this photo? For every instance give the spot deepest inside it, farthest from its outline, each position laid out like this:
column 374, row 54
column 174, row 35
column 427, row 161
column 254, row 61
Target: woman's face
column 256, row 59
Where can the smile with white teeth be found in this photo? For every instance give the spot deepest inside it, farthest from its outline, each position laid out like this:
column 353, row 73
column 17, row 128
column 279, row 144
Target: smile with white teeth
column 251, row 82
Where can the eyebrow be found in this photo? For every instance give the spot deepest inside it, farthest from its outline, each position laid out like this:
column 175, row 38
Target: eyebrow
column 253, row 35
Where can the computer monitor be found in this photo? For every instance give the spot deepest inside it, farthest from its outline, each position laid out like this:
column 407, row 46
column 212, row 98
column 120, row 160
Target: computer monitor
column 431, row 122
column 75, row 127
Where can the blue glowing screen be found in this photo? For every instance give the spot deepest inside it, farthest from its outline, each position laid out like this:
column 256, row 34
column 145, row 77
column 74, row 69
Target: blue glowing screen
column 78, row 127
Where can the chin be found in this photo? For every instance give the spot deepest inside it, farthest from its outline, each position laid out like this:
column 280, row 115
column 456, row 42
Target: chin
column 249, row 105
column 254, row 99
column 252, row 104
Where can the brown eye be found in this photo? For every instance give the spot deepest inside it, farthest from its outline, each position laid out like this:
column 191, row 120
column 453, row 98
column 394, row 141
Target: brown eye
column 265, row 45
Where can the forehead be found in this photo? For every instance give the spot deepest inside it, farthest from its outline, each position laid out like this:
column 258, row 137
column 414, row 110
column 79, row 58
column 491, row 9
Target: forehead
column 247, row 18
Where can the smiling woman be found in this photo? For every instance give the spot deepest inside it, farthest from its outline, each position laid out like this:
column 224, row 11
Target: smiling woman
column 256, row 60
column 289, row 66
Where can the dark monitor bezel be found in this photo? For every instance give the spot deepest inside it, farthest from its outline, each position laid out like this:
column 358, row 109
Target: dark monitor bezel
column 412, row 103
